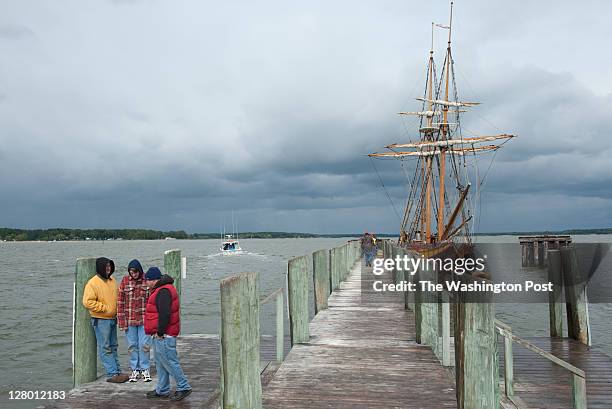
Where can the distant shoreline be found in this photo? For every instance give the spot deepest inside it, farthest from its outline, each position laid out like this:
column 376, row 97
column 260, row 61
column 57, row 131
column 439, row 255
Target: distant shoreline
column 44, row 235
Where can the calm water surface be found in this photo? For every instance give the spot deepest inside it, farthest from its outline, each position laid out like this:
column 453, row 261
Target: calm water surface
column 36, row 298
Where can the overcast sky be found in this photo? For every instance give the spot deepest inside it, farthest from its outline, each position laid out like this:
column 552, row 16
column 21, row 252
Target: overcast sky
column 169, row 114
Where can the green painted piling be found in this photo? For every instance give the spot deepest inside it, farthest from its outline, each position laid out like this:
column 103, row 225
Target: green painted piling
column 429, row 317
column 508, row 367
column 576, row 301
column 335, row 268
column 342, row 260
column 400, row 274
column 172, row 267
column 476, row 353
column 320, row 273
column 240, row 359
column 84, row 357
column 555, row 298
column 280, row 329
column 297, row 292
column 579, row 396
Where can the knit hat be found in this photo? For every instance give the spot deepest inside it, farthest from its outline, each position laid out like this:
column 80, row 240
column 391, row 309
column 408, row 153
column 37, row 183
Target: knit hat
column 153, row 273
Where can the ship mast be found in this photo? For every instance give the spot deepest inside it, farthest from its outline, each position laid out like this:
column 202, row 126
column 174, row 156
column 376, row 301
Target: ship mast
column 444, row 128
column 435, row 143
column 428, row 159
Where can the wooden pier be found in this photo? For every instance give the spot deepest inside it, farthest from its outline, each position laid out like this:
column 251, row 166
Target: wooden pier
column 367, row 349
column 361, row 354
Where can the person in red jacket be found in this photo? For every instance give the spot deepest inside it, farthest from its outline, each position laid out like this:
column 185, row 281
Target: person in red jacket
column 163, row 324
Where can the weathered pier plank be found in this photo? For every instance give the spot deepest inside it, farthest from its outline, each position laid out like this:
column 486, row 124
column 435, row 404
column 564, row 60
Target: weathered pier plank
column 361, row 354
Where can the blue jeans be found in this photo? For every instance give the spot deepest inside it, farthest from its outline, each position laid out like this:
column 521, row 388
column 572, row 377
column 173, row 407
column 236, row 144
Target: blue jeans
column 167, row 364
column 369, row 255
column 106, row 338
column 136, row 340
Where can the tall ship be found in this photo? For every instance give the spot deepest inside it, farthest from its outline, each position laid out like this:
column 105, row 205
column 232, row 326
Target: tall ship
column 439, row 214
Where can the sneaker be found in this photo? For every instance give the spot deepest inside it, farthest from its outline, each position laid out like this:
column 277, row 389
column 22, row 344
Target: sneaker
column 119, row 378
column 153, row 395
column 134, row 376
column 146, row 375
column 180, row 395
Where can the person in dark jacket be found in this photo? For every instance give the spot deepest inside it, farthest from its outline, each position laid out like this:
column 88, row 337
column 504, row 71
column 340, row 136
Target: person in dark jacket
column 163, row 324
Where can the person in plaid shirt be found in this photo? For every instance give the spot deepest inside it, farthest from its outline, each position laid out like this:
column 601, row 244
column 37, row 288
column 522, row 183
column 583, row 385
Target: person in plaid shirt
column 131, row 303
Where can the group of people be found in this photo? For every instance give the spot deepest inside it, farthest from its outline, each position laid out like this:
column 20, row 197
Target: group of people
column 368, row 247
column 146, row 307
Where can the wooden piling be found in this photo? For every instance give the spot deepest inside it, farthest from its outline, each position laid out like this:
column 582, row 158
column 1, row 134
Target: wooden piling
column 84, row 354
column 528, row 254
column 320, row 273
column 335, row 267
column 576, row 300
column 428, row 315
column 240, row 360
column 297, row 294
column 542, row 247
column 476, row 354
column 172, row 267
column 555, row 298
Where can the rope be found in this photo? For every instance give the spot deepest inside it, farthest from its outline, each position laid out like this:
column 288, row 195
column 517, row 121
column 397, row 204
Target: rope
column 385, row 189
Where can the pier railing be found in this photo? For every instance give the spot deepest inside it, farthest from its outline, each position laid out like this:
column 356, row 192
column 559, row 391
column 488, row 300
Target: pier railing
column 578, row 376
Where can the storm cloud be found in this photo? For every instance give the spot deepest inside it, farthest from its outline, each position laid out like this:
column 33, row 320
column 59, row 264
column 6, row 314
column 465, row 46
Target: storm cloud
column 170, row 115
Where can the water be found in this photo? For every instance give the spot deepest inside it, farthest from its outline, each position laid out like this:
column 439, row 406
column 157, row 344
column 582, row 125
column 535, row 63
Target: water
column 36, row 298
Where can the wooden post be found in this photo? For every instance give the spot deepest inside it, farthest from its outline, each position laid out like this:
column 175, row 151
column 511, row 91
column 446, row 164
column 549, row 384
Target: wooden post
column 240, row 360
column 335, row 267
column 84, row 357
column 320, row 273
column 172, row 267
column 542, row 247
column 446, row 338
column 297, row 293
column 576, row 301
column 579, row 396
column 418, row 304
column 280, row 328
column 476, row 355
column 528, row 254
column 343, row 263
column 508, row 367
column 555, row 305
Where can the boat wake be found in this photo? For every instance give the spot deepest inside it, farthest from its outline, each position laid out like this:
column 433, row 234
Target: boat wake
column 234, row 254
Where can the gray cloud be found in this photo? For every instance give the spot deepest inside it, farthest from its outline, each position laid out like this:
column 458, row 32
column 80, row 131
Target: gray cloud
column 170, row 115
column 14, row 32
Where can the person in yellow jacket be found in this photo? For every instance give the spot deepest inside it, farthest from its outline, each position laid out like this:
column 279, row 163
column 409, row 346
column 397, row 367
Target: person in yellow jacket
column 100, row 298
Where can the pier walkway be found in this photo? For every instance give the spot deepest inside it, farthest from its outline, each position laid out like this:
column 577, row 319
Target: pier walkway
column 362, row 354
